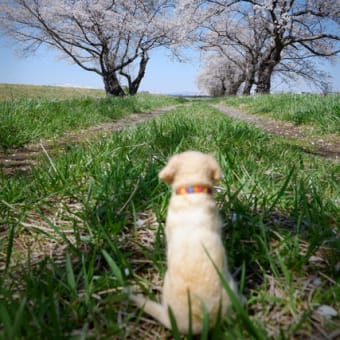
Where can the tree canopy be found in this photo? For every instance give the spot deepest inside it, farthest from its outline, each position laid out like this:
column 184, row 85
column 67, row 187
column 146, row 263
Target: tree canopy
column 110, row 38
column 250, row 39
column 273, row 35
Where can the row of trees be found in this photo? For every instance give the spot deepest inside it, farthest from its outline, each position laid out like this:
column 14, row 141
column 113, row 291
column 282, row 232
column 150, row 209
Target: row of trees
column 245, row 42
column 252, row 40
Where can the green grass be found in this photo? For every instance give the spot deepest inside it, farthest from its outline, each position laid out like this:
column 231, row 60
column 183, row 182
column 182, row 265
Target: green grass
column 322, row 112
column 28, row 120
column 15, row 92
column 87, row 223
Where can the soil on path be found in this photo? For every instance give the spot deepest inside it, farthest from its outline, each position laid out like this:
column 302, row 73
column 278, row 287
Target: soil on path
column 21, row 160
column 314, row 145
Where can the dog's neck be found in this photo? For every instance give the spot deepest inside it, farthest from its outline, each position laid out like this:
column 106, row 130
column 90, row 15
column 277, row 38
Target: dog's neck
column 194, row 189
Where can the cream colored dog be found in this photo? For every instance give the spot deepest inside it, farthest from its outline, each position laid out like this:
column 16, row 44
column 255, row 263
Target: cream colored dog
column 193, row 230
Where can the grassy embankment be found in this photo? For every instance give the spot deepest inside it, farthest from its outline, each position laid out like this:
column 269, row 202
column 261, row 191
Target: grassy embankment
column 88, row 223
column 47, row 112
column 321, row 112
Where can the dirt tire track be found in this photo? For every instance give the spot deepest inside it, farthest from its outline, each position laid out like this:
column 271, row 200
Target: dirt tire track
column 320, row 147
column 20, row 160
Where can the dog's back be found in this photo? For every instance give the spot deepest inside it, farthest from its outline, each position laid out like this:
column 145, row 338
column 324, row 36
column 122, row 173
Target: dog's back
column 194, row 246
column 193, row 231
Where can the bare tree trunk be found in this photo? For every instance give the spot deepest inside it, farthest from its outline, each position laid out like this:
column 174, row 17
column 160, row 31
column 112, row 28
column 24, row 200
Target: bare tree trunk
column 266, row 68
column 264, row 80
column 218, row 90
column 112, row 86
column 247, row 88
column 249, row 80
column 232, row 90
column 134, row 85
column 233, row 87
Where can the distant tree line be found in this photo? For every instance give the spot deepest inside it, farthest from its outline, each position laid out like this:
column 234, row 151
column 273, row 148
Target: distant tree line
column 244, row 43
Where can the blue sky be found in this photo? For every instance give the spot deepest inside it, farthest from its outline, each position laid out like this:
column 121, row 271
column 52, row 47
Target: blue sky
column 163, row 75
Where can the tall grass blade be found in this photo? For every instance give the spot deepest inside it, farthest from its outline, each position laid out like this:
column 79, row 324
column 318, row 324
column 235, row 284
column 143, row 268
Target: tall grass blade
column 243, row 277
column 114, row 267
column 70, row 275
column 6, row 321
column 18, row 318
column 262, row 238
column 61, row 234
column 242, row 314
column 174, row 328
column 10, row 245
column 11, row 328
column 282, row 189
column 190, row 314
column 205, row 322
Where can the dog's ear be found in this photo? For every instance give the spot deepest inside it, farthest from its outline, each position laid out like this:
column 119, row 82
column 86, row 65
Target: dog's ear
column 167, row 174
column 215, row 168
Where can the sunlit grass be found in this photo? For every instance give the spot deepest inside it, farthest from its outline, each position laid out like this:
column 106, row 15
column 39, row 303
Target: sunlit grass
column 323, row 112
column 28, row 120
column 15, row 92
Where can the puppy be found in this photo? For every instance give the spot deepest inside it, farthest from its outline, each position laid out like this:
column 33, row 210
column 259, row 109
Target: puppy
column 193, row 234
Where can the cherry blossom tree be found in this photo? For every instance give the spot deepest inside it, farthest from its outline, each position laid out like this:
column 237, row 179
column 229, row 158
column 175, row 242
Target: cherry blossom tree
column 265, row 32
column 236, row 36
column 220, row 76
column 307, row 26
column 294, row 68
column 112, row 38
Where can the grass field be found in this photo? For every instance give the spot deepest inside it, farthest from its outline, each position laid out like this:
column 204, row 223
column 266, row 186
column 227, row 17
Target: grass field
column 35, row 114
column 86, row 224
column 14, row 92
column 322, row 112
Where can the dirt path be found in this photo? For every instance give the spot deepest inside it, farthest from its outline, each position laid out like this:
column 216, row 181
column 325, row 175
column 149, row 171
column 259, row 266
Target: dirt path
column 20, row 160
column 317, row 145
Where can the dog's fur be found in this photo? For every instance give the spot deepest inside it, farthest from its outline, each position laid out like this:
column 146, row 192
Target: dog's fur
column 193, row 230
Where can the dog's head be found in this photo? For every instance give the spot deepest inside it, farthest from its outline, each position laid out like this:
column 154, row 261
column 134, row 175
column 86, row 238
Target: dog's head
column 191, row 168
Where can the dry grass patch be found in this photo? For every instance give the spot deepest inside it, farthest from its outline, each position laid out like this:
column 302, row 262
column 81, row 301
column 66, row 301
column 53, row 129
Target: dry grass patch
column 46, row 232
